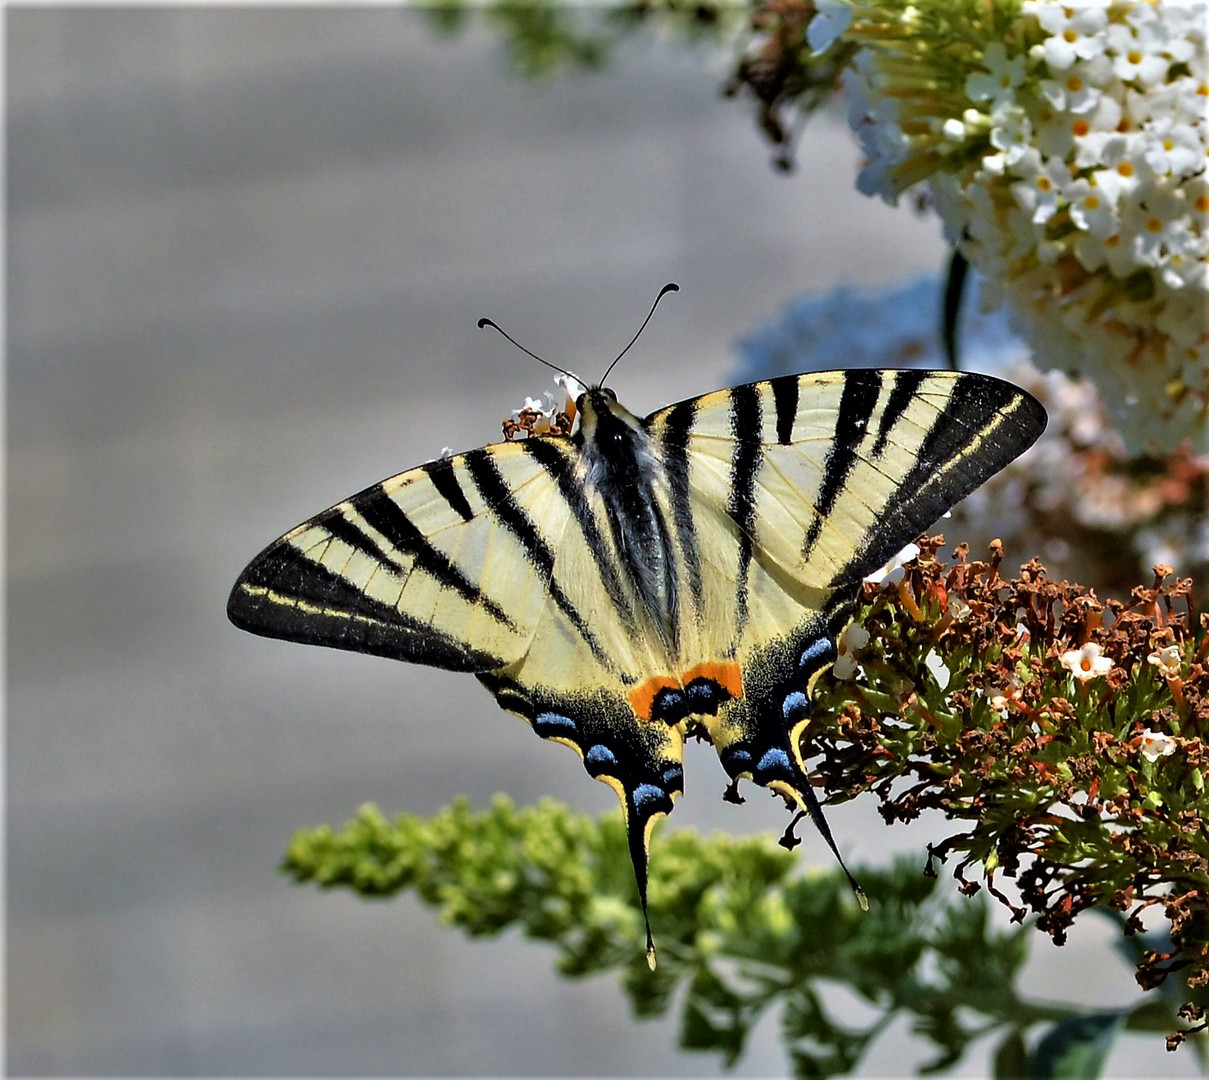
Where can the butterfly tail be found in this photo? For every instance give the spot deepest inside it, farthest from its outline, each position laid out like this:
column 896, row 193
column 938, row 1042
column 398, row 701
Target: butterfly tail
column 757, row 733
column 638, row 836
column 641, row 760
column 815, row 810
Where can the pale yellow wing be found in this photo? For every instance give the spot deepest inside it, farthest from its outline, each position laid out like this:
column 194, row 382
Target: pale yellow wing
column 497, row 562
column 785, row 494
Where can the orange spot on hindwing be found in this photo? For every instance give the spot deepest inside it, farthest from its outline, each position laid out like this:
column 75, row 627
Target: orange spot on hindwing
column 699, row 691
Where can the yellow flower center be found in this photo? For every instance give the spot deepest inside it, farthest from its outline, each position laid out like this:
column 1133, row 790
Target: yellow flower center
column 1154, row 225
column 1080, row 127
column 1125, row 168
column 1092, row 202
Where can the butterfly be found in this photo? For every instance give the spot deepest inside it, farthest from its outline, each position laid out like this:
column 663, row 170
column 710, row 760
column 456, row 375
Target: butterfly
column 641, row 578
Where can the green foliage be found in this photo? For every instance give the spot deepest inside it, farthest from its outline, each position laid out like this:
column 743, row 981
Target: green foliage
column 544, row 38
column 740, row 932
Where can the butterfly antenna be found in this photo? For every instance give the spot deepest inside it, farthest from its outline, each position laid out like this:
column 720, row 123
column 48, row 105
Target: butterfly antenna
column 528, row 352
column 671, row 286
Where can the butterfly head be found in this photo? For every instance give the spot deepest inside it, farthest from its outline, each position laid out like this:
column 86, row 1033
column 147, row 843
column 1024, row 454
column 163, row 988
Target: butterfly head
column 602, row 419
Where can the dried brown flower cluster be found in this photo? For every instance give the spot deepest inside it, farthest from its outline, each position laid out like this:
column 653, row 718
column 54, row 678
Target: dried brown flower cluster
column 1065, row 731
column 778, row 70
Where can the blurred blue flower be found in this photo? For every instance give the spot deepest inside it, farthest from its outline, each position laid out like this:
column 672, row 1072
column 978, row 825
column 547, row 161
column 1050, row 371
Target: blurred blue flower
column 888, row 327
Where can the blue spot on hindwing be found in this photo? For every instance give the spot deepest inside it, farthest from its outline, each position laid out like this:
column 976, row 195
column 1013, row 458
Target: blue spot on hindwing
column 669, row 706
column 706, row 696
column 673, row 778
column 818, row 652
column 647, row 794
column 736, row 759
column 549, row 724
column 600, row 757
column 776, row 758
column 795, row 707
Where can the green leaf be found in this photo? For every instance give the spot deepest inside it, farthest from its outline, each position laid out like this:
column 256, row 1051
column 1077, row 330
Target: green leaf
column 1076, row 1049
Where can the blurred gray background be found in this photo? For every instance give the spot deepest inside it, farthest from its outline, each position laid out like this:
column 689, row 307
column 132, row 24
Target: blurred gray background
column 246, row 253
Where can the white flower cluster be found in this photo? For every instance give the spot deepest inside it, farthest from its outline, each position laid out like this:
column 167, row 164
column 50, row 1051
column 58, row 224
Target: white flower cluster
column 540, row 417
column 1064, row 146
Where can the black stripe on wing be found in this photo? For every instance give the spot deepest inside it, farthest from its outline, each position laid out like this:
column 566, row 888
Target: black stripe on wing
column 985, row 424
column 857, row 401
column 678, row 424
column 558, row 465
column 906, row 385
column 382, row 514
column 284, row 594
column 509, row 513
column 785, row 391
column 745, row 463
column 445, row 480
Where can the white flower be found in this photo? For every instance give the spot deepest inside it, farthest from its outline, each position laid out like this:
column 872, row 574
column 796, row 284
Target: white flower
column 832, row 18
column 532, row 405
column 1090, row 208
column 1075, row 32
column 1172, row 147
column 1003, row 74
column 1156, row 745
column 1137, row 52
column 959, row 610
column 1039, row 195
column 571, row 387
column 1080, row 89
column 1087, row 663
column 854, row 638
column 937, row 667
column 1148, row 218
column 1012, row 132
column 1000, row 697
column 1167, row 660
column 892, row 572
column 1096, row 136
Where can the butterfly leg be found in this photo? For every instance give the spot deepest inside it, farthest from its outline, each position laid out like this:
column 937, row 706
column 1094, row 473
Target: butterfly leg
column 641, row 761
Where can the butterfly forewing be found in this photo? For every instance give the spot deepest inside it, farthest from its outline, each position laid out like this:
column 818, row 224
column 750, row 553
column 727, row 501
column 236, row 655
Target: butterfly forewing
column 417, row 567
column 853, row 465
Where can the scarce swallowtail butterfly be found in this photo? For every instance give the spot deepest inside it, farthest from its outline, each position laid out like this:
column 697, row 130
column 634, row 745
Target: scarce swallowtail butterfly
column 640, row 577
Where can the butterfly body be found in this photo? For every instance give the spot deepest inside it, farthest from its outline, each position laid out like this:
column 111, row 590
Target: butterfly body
column 621, row 584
